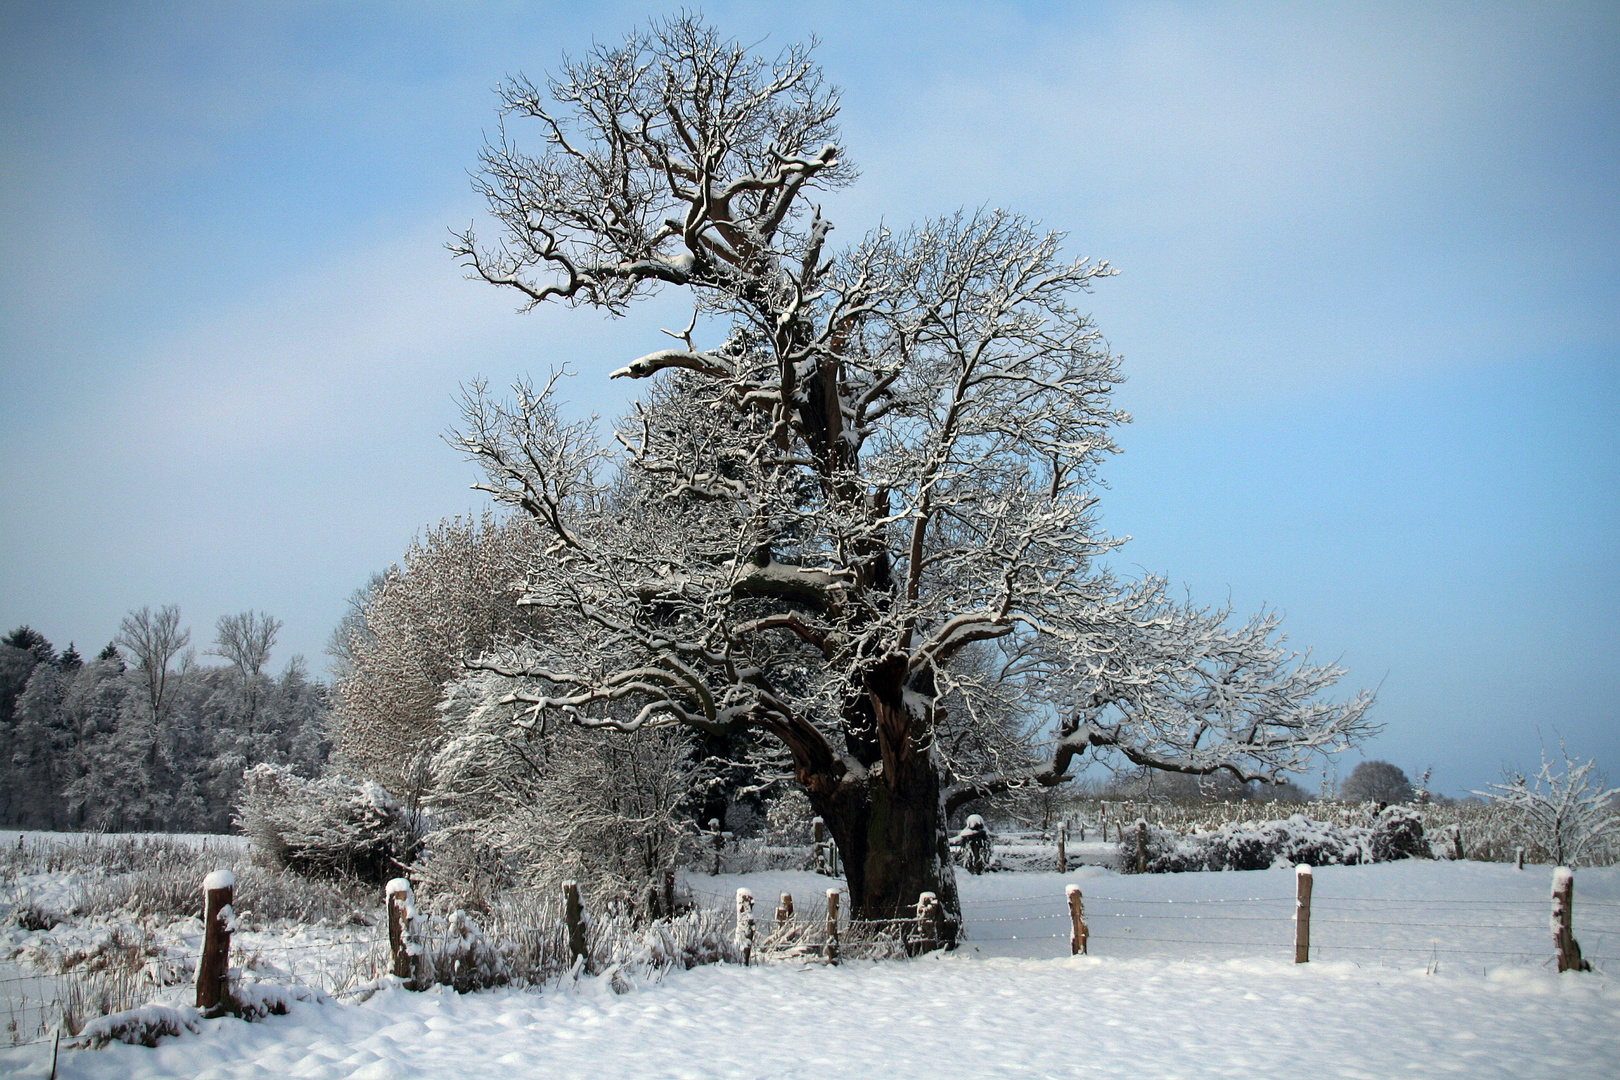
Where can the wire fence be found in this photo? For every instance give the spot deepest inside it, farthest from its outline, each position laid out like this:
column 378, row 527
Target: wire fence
column 1385, row 929
column 1375, row 929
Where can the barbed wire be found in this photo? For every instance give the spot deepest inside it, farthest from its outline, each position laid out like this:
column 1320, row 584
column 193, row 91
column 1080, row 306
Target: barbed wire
column 1430, row 925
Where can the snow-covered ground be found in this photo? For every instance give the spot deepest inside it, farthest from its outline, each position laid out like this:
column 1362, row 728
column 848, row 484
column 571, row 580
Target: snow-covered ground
column 1418, row 969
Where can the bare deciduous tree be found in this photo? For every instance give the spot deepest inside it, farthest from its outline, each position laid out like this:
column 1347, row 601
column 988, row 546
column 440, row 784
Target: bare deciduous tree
column 245, row 640
column 153, row 641
column 862, row 523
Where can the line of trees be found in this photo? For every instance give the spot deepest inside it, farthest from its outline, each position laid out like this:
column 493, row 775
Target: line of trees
column 143, row 736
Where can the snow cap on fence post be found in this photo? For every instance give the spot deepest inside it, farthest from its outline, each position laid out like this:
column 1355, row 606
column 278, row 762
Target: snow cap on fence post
column 1302, row 914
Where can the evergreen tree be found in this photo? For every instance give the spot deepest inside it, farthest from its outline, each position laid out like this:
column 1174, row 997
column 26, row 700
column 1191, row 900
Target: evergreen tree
column 26, row 637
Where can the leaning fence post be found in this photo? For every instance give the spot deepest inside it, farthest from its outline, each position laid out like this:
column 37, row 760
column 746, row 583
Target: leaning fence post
column 214, row 967
column 1302, row 914
column 1563, row 918
column 1141, row 845
column 784, row 910
column 574, row 917
column 403, row 943
column 1063, row 847
column 745, row 925
column 1079, row 933
column 832, row 926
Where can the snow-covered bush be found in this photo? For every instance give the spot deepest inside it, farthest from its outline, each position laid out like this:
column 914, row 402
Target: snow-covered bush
column 141, row 1026
column 327, row 827
column 464, row 958
column 1296, row 841
column 1397, row 833
column 977, row 854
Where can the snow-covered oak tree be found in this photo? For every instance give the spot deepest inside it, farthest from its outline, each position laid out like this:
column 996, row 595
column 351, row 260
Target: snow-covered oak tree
column 861, row 522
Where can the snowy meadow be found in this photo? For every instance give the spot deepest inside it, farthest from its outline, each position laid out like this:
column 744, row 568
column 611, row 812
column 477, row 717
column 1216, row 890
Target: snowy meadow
column 1447, row 963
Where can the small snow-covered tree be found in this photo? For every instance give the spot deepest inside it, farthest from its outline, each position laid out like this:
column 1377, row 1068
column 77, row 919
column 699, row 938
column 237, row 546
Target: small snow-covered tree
column 860, row 523
column 1566, row 811
column 546, row 802
column 449, row 600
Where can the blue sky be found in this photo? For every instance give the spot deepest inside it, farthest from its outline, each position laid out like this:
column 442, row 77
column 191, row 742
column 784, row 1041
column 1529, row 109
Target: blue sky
column 1368, row 306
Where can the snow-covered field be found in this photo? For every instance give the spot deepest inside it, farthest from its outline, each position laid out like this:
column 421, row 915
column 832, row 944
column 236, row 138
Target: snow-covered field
column 1418, row 969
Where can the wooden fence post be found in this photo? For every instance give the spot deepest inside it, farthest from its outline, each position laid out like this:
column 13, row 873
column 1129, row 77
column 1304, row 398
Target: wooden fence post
column 1079, row 933
column 1141, row 845
column 719, row 845
column 214, row 966
column 1518, row 857
column 1063, row 847
column 654, row 901
column 669, row 891
column 1302, row 914
column 1456, row 843
column 574, row 917
column 745, row 925
column 784, row 910
column 1563, row 922
column 832, row 926
column 928, row 928
column 404, row 945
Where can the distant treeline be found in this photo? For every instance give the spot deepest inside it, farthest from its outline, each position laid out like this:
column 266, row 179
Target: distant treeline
column 143, row 737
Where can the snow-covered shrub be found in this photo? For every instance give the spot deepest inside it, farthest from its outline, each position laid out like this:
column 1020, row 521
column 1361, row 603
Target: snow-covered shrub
column 326, row 827
column 464, row 958
column 977, row 854
column 35, row 917
column 621, row 946
column 1163, row 851
column 1397, row 833
column 257, row 1000
column 1296, row 841
column 142, row 1026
